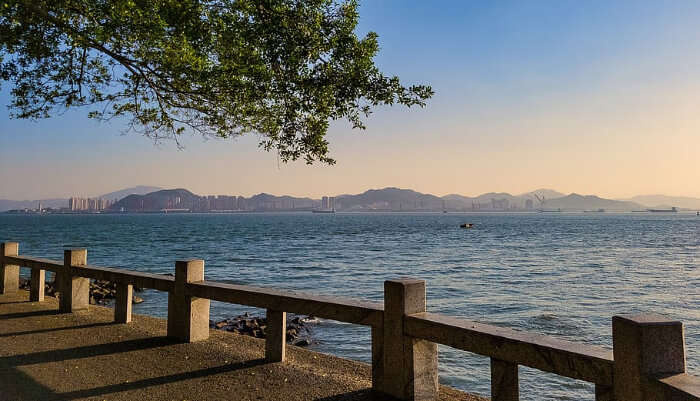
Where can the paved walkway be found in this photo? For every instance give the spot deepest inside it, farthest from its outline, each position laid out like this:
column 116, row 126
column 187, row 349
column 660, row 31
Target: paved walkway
column 84, row 356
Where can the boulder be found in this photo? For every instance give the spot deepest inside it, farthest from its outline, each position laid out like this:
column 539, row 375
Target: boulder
column 257, row 327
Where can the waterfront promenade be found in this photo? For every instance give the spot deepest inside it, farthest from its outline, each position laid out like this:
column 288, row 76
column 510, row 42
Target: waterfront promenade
column 45, row 355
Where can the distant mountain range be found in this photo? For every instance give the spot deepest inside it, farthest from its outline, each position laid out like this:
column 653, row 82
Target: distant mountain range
column 547, row 193
column 137, row 190
column 182, row 199
column 386, row 199
column 149, row 198
column 590, row 202
column 389, row 199
column 57, row 203
column 158, row 200
column 663, row 201
column 6, row 204
column 404, row 199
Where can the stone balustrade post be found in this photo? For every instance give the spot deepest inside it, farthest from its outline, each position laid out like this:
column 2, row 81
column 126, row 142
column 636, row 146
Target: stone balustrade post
column 9, row 274
column 410, row 364
column 604, row 393
column 74, row 291
column 276, row 336
column 37, row 284
column 122, row 303
column 378, row 358
column 188, row 317
column 504, row 381
column 645, row 347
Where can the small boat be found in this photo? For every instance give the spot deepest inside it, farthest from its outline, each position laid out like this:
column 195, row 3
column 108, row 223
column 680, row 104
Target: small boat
column 466, row 225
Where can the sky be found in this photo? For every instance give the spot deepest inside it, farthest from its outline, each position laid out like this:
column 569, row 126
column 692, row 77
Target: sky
column 594, row 97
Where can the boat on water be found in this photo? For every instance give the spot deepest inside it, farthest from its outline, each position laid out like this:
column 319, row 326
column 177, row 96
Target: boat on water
column 549, row 210
column 466, row 225
column 671, row 210
column 326, row 211
column 594, row 211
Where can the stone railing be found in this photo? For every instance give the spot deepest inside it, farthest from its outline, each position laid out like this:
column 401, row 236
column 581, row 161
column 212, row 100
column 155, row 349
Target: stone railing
column 647, row 361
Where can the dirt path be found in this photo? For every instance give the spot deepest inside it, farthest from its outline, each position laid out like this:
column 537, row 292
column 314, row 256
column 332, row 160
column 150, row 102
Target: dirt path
column 84, row 356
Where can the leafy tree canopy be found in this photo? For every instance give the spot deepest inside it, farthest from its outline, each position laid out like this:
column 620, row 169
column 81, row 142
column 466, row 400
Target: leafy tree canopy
column 280, row 68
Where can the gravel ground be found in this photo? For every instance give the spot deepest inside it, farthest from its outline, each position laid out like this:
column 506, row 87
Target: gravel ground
column 85, row 356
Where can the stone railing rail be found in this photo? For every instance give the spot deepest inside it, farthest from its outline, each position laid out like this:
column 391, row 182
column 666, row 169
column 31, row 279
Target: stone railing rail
column 647, row 361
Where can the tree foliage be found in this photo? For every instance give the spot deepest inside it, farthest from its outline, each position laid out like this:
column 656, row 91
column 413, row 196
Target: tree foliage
column 280, row 68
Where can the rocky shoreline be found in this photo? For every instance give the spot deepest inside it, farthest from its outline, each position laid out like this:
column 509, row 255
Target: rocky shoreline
column 298, row 328
column 101, row 292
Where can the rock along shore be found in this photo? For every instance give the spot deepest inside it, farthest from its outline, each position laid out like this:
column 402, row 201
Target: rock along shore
column 298, row 328
column 101, row 292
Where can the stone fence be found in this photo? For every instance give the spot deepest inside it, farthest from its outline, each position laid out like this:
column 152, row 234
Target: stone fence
column 647, row 361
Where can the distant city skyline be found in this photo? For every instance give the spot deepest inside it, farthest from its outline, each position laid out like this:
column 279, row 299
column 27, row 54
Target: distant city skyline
column 81, row 195
column 385, row 199
column 589, row 97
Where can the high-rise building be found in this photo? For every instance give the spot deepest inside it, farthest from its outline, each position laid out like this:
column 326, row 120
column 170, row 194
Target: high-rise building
column 91, row 204
column 328, row 203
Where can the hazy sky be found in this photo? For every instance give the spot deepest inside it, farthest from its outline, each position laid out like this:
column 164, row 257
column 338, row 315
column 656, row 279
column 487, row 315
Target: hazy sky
column 593, row 97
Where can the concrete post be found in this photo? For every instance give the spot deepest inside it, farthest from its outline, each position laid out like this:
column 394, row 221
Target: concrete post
column 37, row 285
column 276, row 336
column 504, row 381
column 378, row 358
column 604, row 393
column 188, row 317
column 9, row 274
column 75, row 291
column 645, row 346
column 122, row 303
column 410, row 365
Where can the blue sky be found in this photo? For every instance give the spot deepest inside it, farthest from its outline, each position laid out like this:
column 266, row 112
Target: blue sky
column 593, row 97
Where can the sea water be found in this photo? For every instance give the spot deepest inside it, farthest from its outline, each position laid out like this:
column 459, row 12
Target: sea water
column 558, row 274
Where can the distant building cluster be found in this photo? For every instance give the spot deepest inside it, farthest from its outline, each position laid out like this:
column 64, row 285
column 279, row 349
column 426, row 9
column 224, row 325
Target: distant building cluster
column 500, row 203
column 88, row 204
column 220, row 203
column 328, row 202
column 497, row 204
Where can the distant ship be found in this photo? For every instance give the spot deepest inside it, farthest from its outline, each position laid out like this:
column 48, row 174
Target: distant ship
column 594, row 211
column 671, row 210
column 323, row 211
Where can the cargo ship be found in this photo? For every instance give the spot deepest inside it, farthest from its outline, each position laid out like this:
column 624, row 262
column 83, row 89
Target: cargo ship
column 671, row 210
column 323, row 211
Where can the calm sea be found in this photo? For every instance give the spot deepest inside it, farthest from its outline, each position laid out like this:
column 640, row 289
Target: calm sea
column 559, row 274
